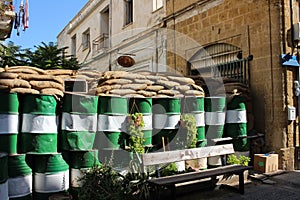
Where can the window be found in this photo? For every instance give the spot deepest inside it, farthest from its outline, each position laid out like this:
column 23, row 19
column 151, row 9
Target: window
column 86, row 39
column 73, row 45
column 157, row 4
column 128, row 12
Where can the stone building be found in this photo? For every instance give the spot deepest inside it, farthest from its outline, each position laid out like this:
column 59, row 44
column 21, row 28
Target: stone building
column 196, row 36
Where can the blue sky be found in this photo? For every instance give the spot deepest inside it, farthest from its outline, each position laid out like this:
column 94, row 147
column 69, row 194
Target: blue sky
column 46, row 20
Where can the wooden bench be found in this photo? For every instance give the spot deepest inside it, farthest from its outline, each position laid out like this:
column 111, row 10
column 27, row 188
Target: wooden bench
column 170, row 182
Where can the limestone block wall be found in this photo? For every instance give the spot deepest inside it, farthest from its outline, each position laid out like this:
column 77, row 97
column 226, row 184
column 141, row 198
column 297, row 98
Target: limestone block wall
column 258, row 28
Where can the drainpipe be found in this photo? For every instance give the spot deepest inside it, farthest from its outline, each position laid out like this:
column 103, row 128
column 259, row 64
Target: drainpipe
column 110, row 34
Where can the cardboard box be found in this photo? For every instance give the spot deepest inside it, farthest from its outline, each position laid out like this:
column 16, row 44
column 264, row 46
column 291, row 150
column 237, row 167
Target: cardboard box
column 265, row 163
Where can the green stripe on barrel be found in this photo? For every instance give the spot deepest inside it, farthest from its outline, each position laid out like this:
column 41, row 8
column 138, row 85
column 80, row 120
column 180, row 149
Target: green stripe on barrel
column 166, row 117
column 9, row 122
column 4, row 176
column 214, row 117
column 111, row 128
column 39, row 124
column 236, row 122
column 50, row 174
column 195, row 105
column 20, row 174
column 143, row 106
column 79, row 122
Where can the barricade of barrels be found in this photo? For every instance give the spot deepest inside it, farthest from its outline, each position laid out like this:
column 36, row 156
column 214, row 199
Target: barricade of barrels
column 48, row 145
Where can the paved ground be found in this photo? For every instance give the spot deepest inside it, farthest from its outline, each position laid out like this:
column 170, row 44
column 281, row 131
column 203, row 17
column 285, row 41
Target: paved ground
column 276, row 186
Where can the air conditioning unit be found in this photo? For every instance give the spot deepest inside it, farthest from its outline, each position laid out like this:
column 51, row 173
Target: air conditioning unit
column 296, row 28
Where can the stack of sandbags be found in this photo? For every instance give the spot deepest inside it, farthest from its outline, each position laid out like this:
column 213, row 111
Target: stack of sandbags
column 90, row 76
column 145, row 84
column 26, row 79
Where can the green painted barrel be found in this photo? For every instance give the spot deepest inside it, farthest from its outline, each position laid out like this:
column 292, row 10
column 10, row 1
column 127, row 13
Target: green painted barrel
column 144, row 106
column 79, row 122
column 236, row 123
column 4, row 176
column 50, row 174
column 166, row 117
column 195, row 105
column 111, row 126
column 39, row 124
column 79, row 163
column 214, row 117
column 9, row 122
column 19, row 178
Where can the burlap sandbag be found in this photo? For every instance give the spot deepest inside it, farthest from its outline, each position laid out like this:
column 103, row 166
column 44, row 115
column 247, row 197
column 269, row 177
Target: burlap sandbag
column 2, row 69
column 144, row 81
column 103, row 89
column 116, row 81
column 43, row 77
column 8, row 75
column 134, row 96
column 183, row 88
column 180, row 79
column 46, row 84
column 169, row 92
column 194, row 93
column 38, row 70
column 20, row 70
column 154, row 88
column 114, row 74
column 133, row 76
column 167, row 84
column 25, row 90
column 52, row 91
column 134, row 86
column 69, row 72
column 122, row 92
column 146, row 93
column 13, row 83
column 156, row 78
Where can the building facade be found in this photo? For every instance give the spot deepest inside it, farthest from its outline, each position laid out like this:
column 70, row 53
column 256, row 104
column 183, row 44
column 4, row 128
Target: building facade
column 193, row 36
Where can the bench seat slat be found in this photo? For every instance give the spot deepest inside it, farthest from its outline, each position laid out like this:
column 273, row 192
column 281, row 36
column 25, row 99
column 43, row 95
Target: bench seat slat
column 190, row 176
column 186, row 154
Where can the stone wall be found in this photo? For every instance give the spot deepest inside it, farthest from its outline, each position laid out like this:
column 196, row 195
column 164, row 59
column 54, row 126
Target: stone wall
column 258, row 28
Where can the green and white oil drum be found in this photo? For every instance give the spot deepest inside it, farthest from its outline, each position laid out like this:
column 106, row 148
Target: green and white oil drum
column 9, row 122
column 78, row 122
column 236, row 123
column 19, row 178
column 143, row 106
column 195, row 105
column 4, row 176
column 39, row 127
column 166, row 117
column 112, row 115
column 215, row 112
column 80, row 161
column 50, row 174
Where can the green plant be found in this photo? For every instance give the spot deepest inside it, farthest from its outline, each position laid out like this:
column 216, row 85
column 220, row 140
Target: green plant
column 187, row 134
column 135, row 125
column 104, row 183
column 242, row 160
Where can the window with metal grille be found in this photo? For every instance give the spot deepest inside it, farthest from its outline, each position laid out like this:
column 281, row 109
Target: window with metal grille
column 220, row 60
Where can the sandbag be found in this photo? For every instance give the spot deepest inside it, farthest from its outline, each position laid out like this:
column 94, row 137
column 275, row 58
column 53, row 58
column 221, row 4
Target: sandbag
column 46, row 84
column 12, row 83
column 8, row 75
column 25, row 90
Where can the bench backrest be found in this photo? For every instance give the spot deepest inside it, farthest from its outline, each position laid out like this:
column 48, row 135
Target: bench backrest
column 186, row 154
